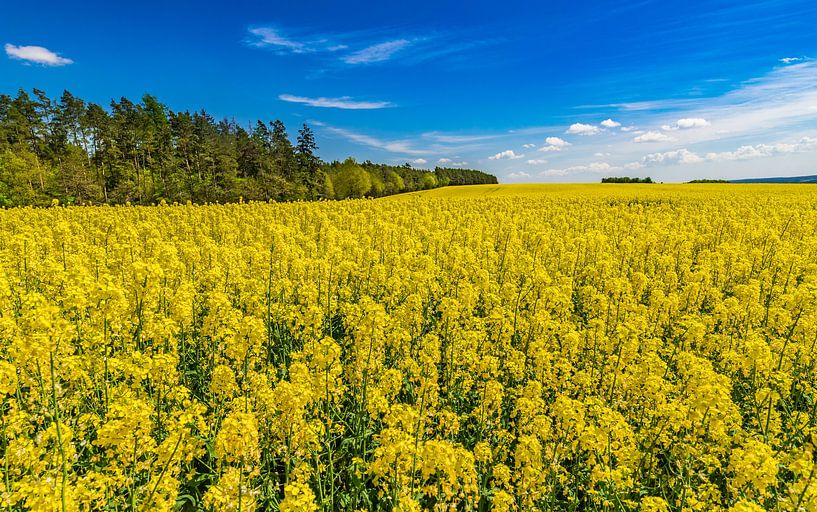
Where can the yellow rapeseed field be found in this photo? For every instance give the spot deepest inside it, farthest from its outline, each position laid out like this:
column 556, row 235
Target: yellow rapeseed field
column 595, row 347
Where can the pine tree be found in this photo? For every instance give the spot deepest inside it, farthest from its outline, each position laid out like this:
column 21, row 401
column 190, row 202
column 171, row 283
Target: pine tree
column 308, row 163
column 282, row 151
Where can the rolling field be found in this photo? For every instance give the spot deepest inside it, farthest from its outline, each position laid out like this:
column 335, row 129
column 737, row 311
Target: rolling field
column 533, row 190
column 514, row 347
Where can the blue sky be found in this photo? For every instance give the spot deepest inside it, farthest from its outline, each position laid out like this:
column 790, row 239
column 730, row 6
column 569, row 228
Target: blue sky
column 532, row 91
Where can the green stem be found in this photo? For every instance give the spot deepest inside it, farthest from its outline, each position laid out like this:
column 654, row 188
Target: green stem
column 164, row 470
column 59, row 431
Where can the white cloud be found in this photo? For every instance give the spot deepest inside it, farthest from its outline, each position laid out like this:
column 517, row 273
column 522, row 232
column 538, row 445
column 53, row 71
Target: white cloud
column 528, row 146
column 627, row 128
column 518, row 174
column 419, row 161
column 687, row 123
column 609, row 123
column 692, row 122
column 556, row 141
column 537, row 161
column 554, row 144
column 652, row 137
column 443, row 161
column 790, row 60
column 344, row 102
column 582, row 129
column 505, row 155
column 36, row 54
column 377, row 53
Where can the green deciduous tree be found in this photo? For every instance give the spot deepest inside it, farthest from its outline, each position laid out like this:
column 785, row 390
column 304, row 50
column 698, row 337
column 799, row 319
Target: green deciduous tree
column 351, row 180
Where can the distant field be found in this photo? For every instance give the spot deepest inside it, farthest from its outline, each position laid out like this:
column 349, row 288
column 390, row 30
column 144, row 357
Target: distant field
column 610, row 190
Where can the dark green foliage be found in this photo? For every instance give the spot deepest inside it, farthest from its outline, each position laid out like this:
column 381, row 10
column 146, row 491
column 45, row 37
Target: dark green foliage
column 308, row 163
column 79, row 153
column 627, row 179
column 448, row 176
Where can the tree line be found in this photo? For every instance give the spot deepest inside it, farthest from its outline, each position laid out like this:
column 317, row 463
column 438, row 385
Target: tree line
column 626, row 179
column 352, row 179
column 79, row 153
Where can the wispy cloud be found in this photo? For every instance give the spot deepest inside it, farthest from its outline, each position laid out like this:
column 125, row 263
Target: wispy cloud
column 268, row 36
column 36, row 54
column 344, row 102
column 781, row 103
column 450, row 148
column 419, row 162
column 784, row 96
column 457, row 139
column 403, row 147
column 377, row 53
column 595, row 168
column 361, row 47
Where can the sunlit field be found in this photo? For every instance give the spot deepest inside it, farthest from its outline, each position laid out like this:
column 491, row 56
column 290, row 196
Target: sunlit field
column 500, row 347
column 532, row 190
